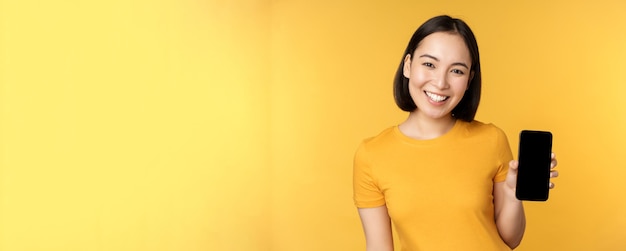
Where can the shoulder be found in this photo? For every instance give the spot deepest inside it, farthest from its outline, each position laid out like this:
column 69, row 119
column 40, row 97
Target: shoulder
column 382, row 137
column 382, row 140
column 490, row 138
column 483, row 130
column 478, row 127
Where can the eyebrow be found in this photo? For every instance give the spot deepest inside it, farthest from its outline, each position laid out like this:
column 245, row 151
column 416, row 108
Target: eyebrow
column 436, row 59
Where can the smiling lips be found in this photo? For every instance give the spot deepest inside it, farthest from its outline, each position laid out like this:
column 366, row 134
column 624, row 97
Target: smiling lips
column 436, row 97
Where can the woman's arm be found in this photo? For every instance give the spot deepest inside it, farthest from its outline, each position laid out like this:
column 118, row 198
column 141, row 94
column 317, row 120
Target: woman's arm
column 377, row 228
column 509, row 211
column 509, row 214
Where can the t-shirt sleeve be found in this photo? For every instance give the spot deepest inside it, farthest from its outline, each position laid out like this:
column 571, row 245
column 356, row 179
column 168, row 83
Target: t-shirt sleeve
column 365, row 187
column 504, row 156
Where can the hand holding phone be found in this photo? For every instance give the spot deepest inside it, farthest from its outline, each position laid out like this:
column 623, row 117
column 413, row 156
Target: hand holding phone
column 533, row 174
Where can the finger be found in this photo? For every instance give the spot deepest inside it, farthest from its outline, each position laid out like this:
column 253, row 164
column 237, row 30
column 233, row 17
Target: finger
column 552, row 156
column 554, row 174
column 553, row 163
column 551, row 185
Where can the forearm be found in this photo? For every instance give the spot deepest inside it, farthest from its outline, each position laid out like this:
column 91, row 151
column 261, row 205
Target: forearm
column 379, row 248
column 511, row 221
column 377, row 228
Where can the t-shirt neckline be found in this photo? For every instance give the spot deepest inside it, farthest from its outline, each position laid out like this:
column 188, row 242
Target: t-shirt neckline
column 458, row 124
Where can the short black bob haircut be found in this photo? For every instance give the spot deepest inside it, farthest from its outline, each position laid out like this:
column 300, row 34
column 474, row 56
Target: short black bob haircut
column 466, row 109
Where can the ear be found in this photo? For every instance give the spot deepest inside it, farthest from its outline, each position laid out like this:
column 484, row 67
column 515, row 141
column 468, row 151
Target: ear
column 407, row 66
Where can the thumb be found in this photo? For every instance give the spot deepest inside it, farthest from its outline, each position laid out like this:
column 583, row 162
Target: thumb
column 513, row 165
column 511, row 177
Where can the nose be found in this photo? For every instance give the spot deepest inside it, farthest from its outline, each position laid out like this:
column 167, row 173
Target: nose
column 441, row 80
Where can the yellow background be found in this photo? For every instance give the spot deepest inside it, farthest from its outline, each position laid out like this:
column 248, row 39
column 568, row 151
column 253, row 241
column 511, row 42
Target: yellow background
column 231, row 125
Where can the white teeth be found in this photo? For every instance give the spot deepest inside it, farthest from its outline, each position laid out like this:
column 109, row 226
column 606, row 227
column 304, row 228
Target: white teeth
column 435, row 97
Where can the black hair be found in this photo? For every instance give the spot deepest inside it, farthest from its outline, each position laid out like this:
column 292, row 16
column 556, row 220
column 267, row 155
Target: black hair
column 467, row 107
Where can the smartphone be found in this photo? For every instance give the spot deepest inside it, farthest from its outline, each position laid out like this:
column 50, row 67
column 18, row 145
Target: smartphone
column 533, row 174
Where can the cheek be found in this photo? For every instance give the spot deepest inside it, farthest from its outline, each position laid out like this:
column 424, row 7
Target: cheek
column 419, row 76
column 460, row 84
column 414, row 92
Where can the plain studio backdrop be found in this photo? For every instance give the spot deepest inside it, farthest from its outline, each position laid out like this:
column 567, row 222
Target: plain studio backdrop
column 231, row 125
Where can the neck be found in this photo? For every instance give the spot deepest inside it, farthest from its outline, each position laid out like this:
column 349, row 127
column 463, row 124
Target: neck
column 421, row 127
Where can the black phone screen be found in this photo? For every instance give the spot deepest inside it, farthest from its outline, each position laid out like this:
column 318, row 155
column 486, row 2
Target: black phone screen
column 533, row 176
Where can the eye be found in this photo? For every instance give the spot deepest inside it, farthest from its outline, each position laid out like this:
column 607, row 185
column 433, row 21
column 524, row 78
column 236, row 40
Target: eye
column 457, row 71
column 427, row 64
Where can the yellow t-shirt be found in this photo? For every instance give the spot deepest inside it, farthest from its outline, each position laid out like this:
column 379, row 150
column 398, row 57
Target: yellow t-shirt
column 438, row 192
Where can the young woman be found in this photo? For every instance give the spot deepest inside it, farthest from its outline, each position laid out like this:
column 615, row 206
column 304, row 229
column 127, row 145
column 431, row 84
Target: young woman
column 445, row 180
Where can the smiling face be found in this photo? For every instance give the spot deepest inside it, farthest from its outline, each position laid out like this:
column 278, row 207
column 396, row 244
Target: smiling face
column 438, row 73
